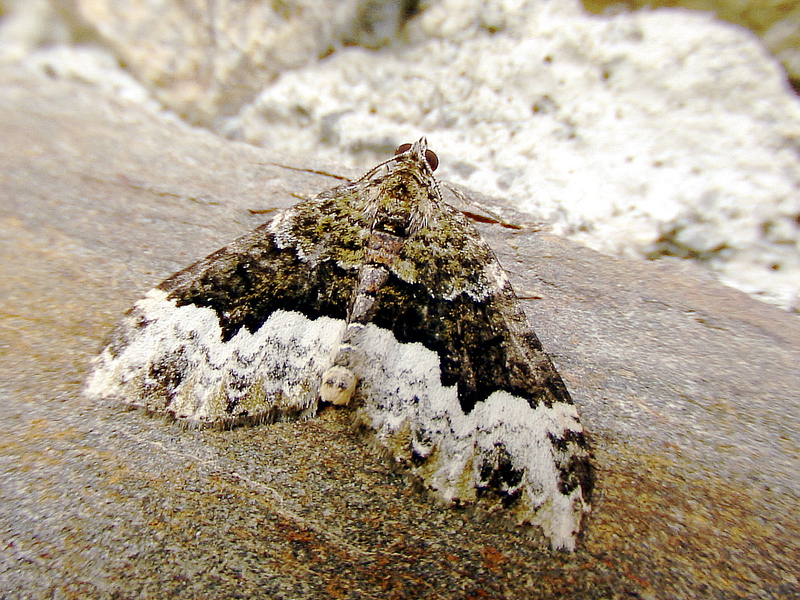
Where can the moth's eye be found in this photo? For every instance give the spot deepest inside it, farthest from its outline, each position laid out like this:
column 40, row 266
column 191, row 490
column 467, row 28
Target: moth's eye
column 430, row 155
column 432, row 159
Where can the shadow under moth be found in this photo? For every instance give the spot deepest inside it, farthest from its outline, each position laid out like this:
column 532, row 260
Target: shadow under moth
column 379, row 296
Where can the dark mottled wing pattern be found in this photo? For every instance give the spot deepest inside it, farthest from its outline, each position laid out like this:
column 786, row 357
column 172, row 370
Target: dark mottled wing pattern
column 379, row 295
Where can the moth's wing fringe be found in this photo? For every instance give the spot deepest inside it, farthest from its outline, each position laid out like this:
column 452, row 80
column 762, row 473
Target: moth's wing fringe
column 168, row 418
column 474, row 511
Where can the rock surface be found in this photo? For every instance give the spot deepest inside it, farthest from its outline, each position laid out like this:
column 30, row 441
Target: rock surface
column 647, row 134
column 650, row 134
column 658, row 133
column 776, row 22
column 205, row 60
column 687, row 388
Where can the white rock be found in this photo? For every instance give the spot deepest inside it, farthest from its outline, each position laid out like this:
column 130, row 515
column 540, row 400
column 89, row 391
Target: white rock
column 634, row 134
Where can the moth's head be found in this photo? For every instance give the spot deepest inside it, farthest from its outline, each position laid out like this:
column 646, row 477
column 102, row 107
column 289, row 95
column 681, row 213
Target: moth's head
column 402, row 190
column 420, row 151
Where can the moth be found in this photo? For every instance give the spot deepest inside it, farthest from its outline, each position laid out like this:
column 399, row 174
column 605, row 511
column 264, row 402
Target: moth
column 378, row 296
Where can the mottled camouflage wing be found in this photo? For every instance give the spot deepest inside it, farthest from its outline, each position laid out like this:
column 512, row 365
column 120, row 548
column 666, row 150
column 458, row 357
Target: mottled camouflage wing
column 462, row 391
column 398, row 292
column 244, row 334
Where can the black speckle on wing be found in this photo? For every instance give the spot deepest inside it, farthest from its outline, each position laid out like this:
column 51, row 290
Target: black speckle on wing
column 575, row 467
column 498, row 476
column 165, row 375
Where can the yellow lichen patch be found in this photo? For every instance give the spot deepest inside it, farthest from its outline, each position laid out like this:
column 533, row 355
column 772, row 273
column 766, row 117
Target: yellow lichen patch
column 399, row 443
column 255, row 401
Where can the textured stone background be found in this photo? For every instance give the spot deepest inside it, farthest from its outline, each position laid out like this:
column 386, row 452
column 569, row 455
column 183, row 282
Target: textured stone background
column 776, row 22
column 687, row 388
column 644, row 134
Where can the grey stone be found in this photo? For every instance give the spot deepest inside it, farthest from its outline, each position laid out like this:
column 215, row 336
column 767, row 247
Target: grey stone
column 776, row 22
column 688, row 389
column 205, row 60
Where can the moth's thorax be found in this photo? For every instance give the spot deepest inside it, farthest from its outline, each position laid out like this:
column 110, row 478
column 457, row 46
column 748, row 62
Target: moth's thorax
column 401, row 201
column 383, row 246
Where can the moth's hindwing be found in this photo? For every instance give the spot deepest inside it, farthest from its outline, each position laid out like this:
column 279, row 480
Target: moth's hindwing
column 379, row 295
